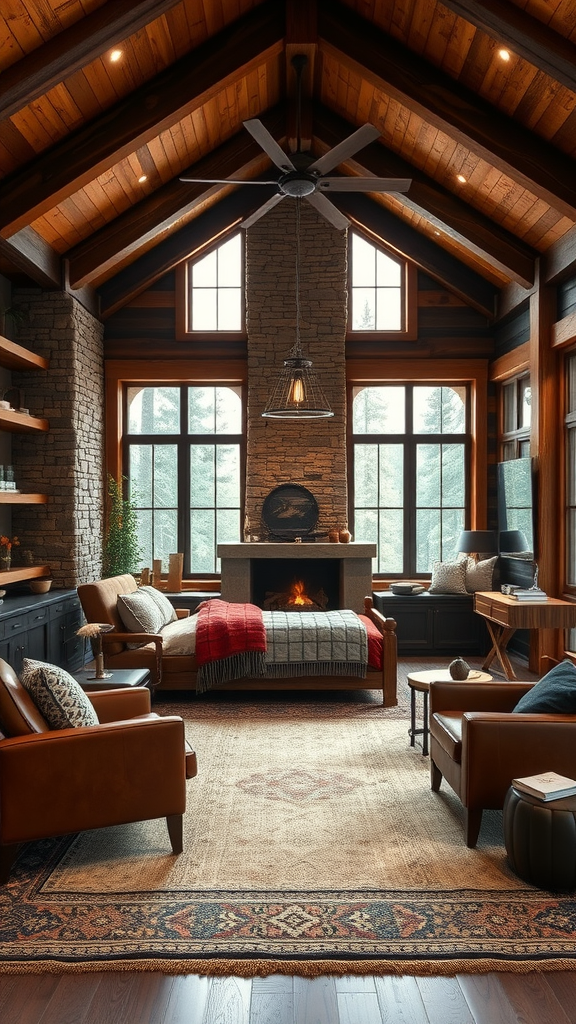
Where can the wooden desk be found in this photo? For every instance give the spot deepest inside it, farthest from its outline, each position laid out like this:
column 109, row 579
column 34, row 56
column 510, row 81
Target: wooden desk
column 504, row 615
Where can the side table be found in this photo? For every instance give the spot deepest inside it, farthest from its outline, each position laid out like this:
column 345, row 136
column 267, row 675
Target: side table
column 119, row 677
column 540, row 839
column 419, row 682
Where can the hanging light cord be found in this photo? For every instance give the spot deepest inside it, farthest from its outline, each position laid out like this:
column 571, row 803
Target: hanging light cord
column 297, row 348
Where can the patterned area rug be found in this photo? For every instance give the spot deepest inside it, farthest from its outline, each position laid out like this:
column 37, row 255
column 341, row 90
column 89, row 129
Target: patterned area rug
column 313, row 844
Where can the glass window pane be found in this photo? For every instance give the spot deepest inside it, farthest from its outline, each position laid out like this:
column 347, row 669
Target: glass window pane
column 571, row 468
column 228, row 402
column 153, row 410
column 363, row 309
column 379, row 410
column 391, row 475
column 509, row 406
column 525, row 402
column 571, row 373
column 227, row 528
column 428, row 538
column 571, row 548
column 145, row 537
column 230, row 262
column 204, row 311
column 229, row 309
column 202, row 476
column 439, row 410
column 165, row 476
column 363, row 262
column 202, row 541
column 365, row 475
column 388, row 271
column 204, row 272
column 140, row 473
column 453, row 475
column 201, row 411
column 452, row 526
column 388, row 309
column 428, row 475
column 228, row 476
column 391, row 541
column 165, row 535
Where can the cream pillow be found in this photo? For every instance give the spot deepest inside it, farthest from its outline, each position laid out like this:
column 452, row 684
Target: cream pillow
column 479, row 574
column 448, row 578
column 139, row 613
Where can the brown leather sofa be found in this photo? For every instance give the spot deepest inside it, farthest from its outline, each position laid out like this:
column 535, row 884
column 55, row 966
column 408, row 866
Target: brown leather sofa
column 479, row 745
column 99, row 602
column 53, row 782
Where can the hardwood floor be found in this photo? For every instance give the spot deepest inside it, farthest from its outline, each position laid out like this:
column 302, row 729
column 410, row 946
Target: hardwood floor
column 124, row 997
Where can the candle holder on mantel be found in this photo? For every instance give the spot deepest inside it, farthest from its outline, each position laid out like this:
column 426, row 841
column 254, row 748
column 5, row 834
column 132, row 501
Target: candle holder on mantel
column 94, row 631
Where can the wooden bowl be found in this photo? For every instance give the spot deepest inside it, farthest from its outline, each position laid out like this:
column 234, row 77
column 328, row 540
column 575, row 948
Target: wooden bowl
column 40, row 586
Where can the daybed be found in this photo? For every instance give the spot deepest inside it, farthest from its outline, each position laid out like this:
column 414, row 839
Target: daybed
column 170, row 656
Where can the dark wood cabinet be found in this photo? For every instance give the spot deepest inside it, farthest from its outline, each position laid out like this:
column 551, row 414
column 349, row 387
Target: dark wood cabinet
column 435, row 623
column 42, row 627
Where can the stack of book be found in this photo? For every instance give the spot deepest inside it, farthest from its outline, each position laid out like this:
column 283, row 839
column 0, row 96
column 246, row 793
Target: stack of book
column 533, row 594
column 546, row 786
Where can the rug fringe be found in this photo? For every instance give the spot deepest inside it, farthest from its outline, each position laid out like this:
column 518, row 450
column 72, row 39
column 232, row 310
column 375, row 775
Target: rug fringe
column 262, row 968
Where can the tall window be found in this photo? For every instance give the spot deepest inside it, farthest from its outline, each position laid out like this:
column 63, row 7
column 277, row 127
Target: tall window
column 183, row 455
column 210, row 292
column 410, row 446
column 376, row 287
column 515, row 416
column 570, row 448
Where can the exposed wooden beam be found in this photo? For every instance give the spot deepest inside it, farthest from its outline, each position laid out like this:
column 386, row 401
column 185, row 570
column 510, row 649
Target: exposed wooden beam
column 139, row 117
column 29, row 253
column 159, row 212
column 425, row 254
column 437, row 205
column 179, row 246
column 73, row 48
column 528, row 37
column 422, row 88
column 560, row 259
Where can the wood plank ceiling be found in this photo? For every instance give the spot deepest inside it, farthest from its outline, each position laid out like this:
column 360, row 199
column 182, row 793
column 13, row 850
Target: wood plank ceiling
column 91, row 148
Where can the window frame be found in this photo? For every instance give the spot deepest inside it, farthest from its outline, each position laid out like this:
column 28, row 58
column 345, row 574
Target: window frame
column 121, row 374
column 182, row 293
column 513, row 443
column 409, row 293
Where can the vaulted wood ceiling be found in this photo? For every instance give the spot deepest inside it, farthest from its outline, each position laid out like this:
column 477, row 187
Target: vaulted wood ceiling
column 91, row 150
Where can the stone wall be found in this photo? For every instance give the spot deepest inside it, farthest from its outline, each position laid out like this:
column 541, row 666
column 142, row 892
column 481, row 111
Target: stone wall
column 310, row 452
column 67, row 462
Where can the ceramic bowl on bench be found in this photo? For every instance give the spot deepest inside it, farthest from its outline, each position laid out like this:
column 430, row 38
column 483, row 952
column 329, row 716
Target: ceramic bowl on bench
column 40, row 586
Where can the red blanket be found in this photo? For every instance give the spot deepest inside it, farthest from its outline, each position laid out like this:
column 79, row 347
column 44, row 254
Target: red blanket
column 224, row 629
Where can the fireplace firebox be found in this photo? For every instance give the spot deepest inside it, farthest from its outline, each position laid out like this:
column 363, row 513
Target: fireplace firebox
column 300, row 586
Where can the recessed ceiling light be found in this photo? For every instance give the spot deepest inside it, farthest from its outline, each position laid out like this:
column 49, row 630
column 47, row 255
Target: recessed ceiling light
column 115, row 55
column 504, row 54
column 461, row 178
column 143, row 177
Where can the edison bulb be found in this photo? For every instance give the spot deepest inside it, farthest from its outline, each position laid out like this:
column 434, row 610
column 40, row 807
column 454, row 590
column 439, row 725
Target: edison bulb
column 296, row 393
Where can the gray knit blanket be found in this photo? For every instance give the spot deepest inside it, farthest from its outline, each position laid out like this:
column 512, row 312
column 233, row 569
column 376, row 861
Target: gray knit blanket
column 315, row 644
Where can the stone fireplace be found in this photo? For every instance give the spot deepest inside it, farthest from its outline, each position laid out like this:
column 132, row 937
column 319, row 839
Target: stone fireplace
column 308, row 452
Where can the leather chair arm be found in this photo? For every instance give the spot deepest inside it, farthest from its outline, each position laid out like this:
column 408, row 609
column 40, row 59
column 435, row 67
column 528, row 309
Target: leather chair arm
column 182, row 613
column 74, row 779
column 115, row 705
column 497, row 748
column 131, row 638
column 464, row 696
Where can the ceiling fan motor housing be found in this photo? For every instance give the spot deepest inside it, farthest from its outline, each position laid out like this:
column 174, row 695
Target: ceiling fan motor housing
column 297, row 184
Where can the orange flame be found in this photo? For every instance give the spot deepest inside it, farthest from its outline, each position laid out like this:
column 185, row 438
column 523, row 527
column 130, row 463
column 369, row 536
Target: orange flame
column 298, row 594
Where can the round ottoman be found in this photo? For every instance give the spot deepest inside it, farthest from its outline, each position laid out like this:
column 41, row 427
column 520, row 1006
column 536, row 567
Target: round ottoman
column 540, row 839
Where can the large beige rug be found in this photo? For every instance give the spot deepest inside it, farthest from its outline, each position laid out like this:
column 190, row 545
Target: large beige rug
column 312, row 843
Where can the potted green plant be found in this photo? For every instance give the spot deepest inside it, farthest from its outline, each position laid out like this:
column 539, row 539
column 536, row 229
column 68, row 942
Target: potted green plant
column 122, row 551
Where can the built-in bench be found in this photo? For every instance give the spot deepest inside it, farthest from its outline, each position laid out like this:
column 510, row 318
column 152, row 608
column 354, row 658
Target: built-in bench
column 434, row 623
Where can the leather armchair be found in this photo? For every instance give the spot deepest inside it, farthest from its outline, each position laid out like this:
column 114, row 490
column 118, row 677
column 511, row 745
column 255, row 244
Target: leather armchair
column 132, row 766
column 479, row 745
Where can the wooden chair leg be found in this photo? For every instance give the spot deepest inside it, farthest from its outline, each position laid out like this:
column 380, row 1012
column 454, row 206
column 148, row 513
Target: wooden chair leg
column 174, row 823
column 8, row 855
column 472, row 825
column 435, row 776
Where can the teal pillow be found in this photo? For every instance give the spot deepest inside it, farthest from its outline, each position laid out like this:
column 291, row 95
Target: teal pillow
column 554, row 693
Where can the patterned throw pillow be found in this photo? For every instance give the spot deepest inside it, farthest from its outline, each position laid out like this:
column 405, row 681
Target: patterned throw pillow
column 57, row 695
column 448, row 578
column 139, row 612
column 479, row 574
column 167, row 610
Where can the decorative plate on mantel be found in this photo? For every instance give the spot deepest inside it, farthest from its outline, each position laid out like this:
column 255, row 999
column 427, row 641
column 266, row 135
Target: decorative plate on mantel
column 290, row 511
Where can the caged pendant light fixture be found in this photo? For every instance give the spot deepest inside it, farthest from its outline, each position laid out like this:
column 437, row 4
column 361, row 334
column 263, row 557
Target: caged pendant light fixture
column 297, row 393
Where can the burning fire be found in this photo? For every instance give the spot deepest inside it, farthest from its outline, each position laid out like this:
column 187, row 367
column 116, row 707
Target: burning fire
column 298, row 594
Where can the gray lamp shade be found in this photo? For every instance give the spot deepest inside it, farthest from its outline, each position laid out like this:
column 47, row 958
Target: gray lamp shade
column 476, row 541
column 513, row 541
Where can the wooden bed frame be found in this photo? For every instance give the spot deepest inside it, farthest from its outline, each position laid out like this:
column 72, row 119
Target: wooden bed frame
column 178, row 672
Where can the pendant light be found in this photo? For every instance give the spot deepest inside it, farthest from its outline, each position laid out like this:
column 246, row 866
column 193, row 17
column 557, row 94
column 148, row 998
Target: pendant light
column 297, row 395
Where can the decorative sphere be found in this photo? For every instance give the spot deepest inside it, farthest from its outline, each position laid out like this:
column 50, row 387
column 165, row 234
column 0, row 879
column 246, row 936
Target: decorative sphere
column 459, row 669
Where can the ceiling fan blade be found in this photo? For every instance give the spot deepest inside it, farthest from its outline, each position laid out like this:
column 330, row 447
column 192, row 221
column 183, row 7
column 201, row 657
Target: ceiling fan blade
column 345, row 149
column 227, row 181
column 265, row 208
column 269, row 145
column 328, row 211
column 357, row 184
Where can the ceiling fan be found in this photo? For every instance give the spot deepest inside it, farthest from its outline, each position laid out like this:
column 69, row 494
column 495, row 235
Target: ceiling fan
column 303, row 177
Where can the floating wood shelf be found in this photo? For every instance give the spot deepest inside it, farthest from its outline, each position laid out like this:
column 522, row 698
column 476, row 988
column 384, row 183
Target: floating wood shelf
column 16, row 498
column 23, row 572
column 15, row 357
column 21, row 423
